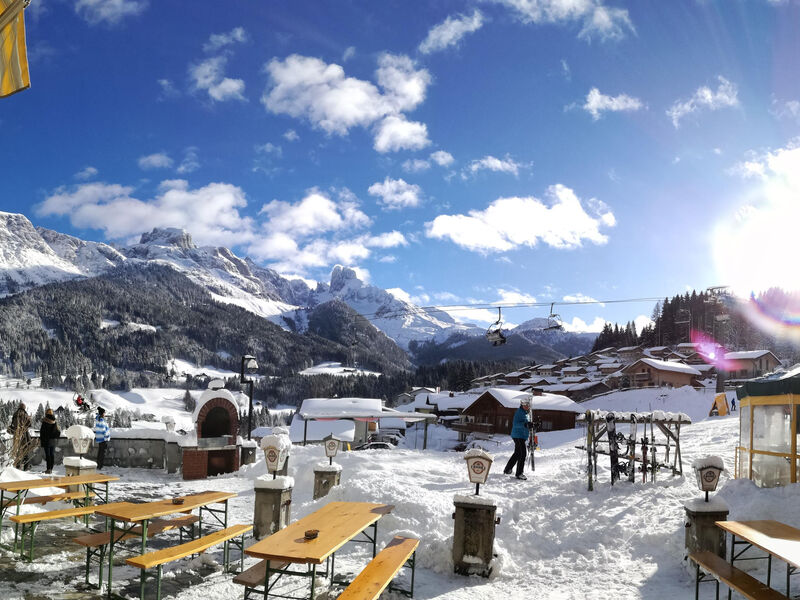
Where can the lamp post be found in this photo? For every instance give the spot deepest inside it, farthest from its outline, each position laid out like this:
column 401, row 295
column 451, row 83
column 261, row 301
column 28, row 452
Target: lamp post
column 249, row 362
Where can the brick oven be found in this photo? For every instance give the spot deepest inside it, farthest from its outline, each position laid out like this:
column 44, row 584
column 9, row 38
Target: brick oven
column 216, row 420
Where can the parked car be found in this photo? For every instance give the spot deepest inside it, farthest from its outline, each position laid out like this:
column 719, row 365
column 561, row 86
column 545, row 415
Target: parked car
column 375, row 446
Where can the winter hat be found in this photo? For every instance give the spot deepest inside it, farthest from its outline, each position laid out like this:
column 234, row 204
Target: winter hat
column 49, row 413
column 526, row 401
column 101, row 411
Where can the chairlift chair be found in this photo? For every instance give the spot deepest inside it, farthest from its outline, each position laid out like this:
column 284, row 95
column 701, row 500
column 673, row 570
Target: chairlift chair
column 553, row 321
column 495, row 332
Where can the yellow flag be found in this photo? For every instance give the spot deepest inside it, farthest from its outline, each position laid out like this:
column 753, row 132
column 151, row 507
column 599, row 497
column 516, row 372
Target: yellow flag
column 14, row 76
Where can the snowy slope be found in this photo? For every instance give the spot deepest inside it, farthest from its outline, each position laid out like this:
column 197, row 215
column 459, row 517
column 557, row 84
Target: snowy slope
column 555, row 540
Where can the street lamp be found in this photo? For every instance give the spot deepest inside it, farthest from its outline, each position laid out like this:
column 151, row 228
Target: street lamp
column 249, row 362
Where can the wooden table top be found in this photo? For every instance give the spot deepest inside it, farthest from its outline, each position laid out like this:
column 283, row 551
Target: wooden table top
column 133, row 512
column 773, row 537
column 337, row 522
column 30, row 484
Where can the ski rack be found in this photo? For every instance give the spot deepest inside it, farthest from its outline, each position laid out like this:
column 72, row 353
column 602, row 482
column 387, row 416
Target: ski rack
column 668, row 426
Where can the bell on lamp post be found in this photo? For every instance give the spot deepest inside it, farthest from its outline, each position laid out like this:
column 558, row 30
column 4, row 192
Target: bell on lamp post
column 331, row 444
column 478, row 464
column 707, row 470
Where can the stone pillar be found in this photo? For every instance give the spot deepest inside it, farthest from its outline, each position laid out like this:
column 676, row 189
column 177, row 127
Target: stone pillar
column 75, row 465
column 248, row 455
column 701, row 533
column 272, row 504
column 325, row 478
column 473, row 536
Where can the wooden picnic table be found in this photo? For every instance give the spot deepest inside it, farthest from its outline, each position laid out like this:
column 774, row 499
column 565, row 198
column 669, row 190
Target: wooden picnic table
column 773, row 537
column 337, row 523
column 14, row 493
column 138, row 515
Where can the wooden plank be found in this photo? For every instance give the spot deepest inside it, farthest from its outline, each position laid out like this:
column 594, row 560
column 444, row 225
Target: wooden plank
column 60, row 514
column 254, row 576
column 155, row 527
column 32, row 484
column 773, row 537
column 49, row 498
column 159, row 557
column 161, row 508
column 734, row 578
column 337, row 522
column 380, row 571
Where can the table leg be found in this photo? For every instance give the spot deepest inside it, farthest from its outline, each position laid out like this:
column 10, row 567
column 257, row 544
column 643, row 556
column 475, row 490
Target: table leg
column 266, row 582
column 110, row 556
column 144, row 536
column 733, row 540
column 16, row 525
column 769, row 569
column 313, row 580
column 374, row 538
column 788, row 572
column 333, row 565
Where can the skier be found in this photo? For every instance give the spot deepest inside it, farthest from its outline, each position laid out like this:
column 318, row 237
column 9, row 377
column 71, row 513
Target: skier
column 519, row 433
column 19, row 429
column 101, row 436
column 48, row 436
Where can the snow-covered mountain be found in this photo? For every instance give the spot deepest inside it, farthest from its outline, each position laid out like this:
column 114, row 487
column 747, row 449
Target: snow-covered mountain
column 30, row 257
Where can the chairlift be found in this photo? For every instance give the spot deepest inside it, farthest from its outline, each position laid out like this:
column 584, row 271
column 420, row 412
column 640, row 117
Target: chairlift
column 495, row 332
column 553, row 321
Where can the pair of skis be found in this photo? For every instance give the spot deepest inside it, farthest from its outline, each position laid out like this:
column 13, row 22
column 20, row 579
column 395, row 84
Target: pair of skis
column 613, row 448
column 532, row 439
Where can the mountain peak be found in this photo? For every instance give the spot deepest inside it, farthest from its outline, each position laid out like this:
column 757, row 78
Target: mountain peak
column 341, row 276
column 168, row 236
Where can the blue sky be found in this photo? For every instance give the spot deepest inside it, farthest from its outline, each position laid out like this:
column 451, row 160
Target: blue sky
column 505, row 150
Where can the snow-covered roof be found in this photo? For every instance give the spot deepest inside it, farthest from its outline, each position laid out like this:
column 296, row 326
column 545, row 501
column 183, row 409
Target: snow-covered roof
column 571, row 369
column 746, row 354
column 664, row 365
column 516, row 374
column 340, row 408
column 629, row 348
column 209, row 395
column 508, row 398
column 343, row 429
column 545, row 367
column 554, row 402
column 574, row 379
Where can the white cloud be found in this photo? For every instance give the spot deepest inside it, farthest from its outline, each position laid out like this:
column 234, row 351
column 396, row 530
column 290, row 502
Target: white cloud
column 391, row 239
column 209, row 76
column 642, row 321
column 579, row 297
column 566, row 70
column 112, row 209
column 389, row 258
column 221, row 40
column 86, row 173
column 596, row 19
column 190, row 162
column 416, row 165
column 578, row 325
column 396, row 133
column 442, row 158
column 509, row 223
column 291, row 135
column 306, row 87
column 515, row 297
column 492, row 163
column 160, row 160
column 597, row 103
column 788, row 109
column 705, row 98
column 395, row 194
column 348, row 53
column 168, row 89
column 313, row 215
column 270, row 148
column 400, row 294
column 108, row 11
column 450, row 31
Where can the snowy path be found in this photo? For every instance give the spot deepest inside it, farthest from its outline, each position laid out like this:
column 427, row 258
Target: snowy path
column 556, row 540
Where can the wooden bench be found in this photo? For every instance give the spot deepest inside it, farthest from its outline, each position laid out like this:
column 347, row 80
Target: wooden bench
column 71, row 496
column 255, row 576
column 734, row 578
column 159, row 558
column 31, row 521
column 380, row 571
column 96, row 544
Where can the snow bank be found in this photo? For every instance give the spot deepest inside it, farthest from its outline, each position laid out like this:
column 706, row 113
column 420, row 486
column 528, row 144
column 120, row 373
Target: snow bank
column 708, row 461
column 476, row 500
column 79, row 462
column 266, row 482
column 326, row 468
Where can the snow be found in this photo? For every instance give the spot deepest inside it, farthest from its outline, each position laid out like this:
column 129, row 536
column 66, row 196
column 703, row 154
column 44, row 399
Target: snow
column 79, row 462
column 266, row 482
column 746, row 354
column 708, row 461
column 506, row 397
column 317, row 430
column 210, row 395
column 478, row 453
column 327, row 468
column 714, row 504
column 555, row 402
column 80, row 432
column 664, row 365
column 336, row 368
column 476, row 500
column 341, row 408
column 183, row 367
column 556, row 540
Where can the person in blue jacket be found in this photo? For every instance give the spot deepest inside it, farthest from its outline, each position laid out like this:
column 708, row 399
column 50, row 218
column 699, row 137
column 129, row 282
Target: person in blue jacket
column 519, row 433
column 101, row 436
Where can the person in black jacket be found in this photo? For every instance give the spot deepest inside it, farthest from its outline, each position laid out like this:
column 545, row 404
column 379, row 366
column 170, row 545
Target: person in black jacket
column 48, row 437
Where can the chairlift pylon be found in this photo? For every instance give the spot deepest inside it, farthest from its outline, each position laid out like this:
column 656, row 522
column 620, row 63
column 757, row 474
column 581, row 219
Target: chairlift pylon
column 553, row 321
column 495, row 332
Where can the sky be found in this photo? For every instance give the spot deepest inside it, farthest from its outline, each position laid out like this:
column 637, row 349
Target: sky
column 500, row 151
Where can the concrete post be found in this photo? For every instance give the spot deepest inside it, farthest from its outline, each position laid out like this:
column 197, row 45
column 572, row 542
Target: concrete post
column 325, row 478
column 473, row 536
column 701, row 533
column 75, row 465
column 173, row 457
column 272, row 504
column 248, row 455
